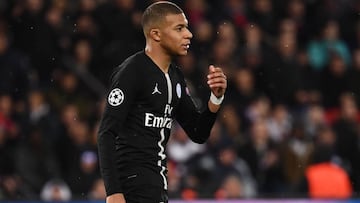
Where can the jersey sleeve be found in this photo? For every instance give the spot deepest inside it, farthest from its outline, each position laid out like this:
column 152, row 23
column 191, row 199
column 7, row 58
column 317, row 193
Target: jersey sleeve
column 118, row 102
column 197, row 124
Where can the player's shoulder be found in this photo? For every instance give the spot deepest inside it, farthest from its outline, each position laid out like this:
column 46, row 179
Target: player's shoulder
column 133, row 62
column 130, row 66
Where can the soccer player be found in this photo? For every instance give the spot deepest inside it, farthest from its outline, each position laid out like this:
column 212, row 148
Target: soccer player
column 147, row 92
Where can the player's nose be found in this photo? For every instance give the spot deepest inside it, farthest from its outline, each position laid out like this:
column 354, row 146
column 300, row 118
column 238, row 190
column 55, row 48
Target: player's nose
column 188, row 35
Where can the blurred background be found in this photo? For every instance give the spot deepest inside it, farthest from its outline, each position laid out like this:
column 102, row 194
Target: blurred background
column 289, row 126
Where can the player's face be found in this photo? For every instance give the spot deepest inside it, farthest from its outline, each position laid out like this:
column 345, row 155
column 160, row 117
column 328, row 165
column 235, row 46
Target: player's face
column 175, row 35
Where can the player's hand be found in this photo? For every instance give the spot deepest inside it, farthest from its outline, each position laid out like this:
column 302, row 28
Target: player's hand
column 217, row 81
column 116, row 198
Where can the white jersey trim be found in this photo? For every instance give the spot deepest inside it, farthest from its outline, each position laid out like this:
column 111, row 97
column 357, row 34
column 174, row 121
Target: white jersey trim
column 162, row 157
column 169, row 87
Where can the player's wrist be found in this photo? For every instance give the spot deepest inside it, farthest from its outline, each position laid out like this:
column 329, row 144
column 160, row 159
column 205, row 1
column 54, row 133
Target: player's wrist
column 216, row 100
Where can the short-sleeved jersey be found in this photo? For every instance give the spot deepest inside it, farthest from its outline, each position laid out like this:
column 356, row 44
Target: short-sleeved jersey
column 141, row 105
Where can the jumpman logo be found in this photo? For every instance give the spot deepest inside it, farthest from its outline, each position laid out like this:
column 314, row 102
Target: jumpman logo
column 156, row 90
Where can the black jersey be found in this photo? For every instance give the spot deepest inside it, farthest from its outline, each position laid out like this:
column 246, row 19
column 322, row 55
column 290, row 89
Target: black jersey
column 141, row 105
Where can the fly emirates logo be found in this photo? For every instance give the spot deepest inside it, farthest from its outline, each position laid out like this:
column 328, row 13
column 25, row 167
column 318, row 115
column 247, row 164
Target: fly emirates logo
column 159, row 122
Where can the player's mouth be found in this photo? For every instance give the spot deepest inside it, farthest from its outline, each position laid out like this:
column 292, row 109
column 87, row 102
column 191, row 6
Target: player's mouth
column 186, row 46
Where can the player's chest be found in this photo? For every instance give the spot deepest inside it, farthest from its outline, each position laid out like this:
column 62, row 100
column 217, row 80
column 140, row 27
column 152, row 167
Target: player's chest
column 161, row 92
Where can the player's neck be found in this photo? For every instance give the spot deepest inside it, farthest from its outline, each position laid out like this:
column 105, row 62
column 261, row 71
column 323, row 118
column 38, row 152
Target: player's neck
column 161, row 59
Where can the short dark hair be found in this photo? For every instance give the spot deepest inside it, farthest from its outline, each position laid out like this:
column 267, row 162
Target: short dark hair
column 156, row 13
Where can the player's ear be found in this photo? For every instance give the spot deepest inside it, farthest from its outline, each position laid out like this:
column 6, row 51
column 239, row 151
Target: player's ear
column 155, row 34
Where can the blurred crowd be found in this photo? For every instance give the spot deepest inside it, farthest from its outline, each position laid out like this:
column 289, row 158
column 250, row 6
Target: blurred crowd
column 289, row 125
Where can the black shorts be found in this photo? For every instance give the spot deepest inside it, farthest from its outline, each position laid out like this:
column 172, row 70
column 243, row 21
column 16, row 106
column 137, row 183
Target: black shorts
column 145, row 194
column 135, row 191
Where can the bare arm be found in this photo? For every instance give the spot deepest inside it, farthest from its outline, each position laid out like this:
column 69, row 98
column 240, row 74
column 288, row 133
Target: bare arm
column 116, row 198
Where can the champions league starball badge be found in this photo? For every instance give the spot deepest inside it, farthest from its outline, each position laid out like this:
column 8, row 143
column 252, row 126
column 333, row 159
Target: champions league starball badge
column 116, row 97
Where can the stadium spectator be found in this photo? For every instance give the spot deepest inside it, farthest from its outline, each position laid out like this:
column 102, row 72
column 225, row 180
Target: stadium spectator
column 55, row 190
column 324, row 177
column 320, row 51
